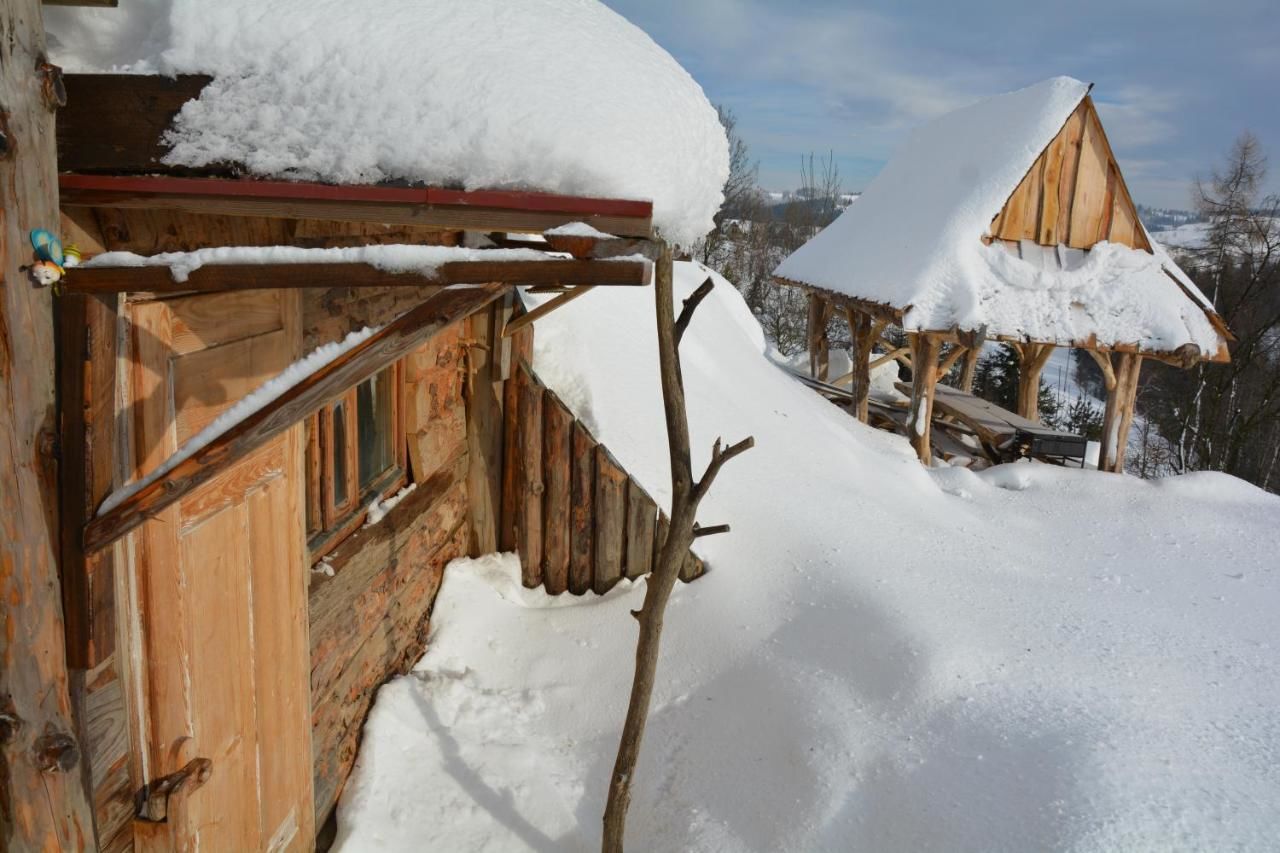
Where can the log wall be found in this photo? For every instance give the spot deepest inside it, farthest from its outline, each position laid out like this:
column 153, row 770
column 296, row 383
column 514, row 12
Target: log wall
column 369, row 622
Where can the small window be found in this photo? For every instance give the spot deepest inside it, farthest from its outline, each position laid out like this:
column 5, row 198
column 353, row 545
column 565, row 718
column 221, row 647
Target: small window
column 355, row 455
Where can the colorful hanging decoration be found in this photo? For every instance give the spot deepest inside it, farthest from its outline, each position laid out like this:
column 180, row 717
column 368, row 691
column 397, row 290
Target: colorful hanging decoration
column 50, row 257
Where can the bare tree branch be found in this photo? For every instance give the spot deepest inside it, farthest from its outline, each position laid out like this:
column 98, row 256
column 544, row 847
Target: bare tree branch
column 690, row 305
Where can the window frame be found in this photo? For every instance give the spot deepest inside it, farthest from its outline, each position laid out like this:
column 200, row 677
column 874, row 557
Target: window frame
column 330, row 521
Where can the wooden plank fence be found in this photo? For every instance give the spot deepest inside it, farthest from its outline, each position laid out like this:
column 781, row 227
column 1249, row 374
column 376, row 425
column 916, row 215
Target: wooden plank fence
column 577, row 519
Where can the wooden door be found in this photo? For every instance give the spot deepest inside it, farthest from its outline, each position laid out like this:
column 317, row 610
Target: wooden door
column 220, row 580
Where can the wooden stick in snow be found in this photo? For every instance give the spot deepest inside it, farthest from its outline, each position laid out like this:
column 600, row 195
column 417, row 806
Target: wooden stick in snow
column 686, row 493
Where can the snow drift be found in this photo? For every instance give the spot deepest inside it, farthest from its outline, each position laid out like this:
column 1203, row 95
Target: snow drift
column 556, row 95
column 881, row 657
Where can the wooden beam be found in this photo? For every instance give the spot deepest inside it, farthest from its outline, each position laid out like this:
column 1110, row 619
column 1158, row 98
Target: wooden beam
column 105, row 4
column 307, row 397
column 87, row 328
column 950, row 361
column 479, row 210
column 110, row 125
column 544, row 309
column 43, row 803
column 220, row 277
column 864, row 330
column 895, row 353
column 1104, row 363
column 600, row 248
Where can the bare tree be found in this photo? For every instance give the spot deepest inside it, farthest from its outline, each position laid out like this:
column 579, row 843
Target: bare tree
column 686, row 494
column 1223, row 417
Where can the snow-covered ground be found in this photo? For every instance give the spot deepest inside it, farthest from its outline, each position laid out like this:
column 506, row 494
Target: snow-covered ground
column 881, row 657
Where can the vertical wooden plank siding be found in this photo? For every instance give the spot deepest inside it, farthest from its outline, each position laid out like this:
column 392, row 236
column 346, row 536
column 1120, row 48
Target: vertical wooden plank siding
column 642, row 514
column 1091, row 188
column 557, row 460
column 1072, row 135
column 1073, row 193
column 611, row 520
column 529, row 509
column 595, row 524
column 511, row 463
column 582, row 495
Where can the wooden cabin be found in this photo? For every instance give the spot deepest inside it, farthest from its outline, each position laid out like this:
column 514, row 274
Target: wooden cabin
column 283, row 408
column 1008, row 220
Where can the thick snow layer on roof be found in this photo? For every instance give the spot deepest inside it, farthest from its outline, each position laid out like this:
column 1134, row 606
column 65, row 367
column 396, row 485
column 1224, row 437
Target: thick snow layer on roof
column 914, row 239
column 556, row 95
column 880, row 658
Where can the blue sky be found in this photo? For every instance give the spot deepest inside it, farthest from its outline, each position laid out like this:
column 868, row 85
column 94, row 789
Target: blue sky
column 1175, row 81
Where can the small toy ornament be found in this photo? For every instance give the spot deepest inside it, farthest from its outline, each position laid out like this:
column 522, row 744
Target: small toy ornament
column 46, row 273
column 48, row 268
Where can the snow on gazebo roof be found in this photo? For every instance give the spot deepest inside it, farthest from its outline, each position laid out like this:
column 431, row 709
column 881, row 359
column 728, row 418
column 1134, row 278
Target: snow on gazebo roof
column 919, row 240
column 562, row 96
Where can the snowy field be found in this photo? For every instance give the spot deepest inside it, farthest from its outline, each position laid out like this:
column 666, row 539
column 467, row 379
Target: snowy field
column 881, row 657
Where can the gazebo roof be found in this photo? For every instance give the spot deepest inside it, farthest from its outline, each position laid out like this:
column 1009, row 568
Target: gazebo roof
column 1011, row 214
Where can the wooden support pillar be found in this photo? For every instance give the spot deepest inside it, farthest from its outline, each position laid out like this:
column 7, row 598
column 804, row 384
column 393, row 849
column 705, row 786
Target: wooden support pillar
column 863, row 332
column 819, row 356
column 969, row 369
column 484, row 428
column 1122, row 393
column 87, row 329
column 43, row 803
column 924, row 378
column 1032, row 358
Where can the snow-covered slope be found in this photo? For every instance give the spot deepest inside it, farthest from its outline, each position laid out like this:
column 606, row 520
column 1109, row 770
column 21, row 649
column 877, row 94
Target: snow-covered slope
column 556, row 95
column 881, row 657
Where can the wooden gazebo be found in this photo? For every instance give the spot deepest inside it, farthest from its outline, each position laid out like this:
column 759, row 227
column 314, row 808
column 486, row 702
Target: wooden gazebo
column 1008, row 221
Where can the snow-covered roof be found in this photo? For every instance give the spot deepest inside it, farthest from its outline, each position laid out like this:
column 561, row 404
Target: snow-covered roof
column 915, row 241
column 561, row 96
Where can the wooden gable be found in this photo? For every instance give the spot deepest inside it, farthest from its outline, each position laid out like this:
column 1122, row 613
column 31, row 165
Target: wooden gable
column 1074, row 193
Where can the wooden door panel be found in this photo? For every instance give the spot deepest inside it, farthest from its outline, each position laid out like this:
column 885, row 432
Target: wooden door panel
column 222, row 583
column 208, row 382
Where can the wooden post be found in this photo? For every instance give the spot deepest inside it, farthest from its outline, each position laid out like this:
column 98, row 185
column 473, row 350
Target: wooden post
column 1032, row 358
column 1122, row 392
column 582, row 496
column 87, row 327
column 924, row 378
column 484, row 432
column 969, row 369
column 43, row 804
column 863, row 332
column 817, row 337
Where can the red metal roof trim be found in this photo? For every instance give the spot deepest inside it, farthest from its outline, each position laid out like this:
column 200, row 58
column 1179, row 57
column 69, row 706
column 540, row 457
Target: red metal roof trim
column 290, row 190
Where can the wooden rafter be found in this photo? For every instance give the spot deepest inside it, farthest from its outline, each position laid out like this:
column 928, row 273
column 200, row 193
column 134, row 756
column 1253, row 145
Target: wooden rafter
column 544, row 309
column 307, row 397
column 220, row 277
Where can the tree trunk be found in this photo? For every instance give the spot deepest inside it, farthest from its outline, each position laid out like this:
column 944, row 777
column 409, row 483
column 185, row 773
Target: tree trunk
column 43, row 805
column 685, row 497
